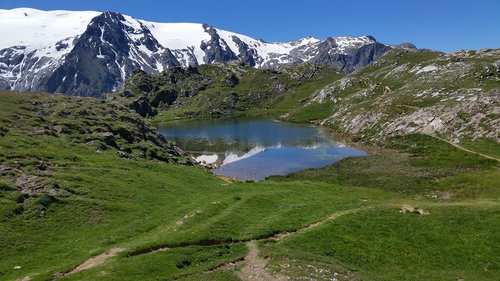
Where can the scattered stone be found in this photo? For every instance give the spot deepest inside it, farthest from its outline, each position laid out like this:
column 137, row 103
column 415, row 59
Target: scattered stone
column 124, row 155
column 410, row 209
column 30, row 185
column 143, row 107
column 38, row 131
column 58, row 130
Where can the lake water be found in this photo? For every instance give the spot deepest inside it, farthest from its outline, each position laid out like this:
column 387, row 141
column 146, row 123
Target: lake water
column 256, row 149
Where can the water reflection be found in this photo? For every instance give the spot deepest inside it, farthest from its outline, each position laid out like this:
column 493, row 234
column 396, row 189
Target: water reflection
column 255, row 149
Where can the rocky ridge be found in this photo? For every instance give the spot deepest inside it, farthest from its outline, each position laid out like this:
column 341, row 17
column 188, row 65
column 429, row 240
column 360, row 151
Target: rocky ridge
column 456, row 95
column 215, row 90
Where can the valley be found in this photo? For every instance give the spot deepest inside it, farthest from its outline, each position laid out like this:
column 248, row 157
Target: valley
column 140, row 150
column 106, row 181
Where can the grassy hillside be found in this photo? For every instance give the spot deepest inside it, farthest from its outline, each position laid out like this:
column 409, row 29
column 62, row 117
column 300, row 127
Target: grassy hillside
column 222, row 90
column 68, row 193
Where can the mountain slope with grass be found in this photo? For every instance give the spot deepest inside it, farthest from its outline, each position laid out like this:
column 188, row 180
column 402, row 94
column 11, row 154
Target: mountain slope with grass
column 453, row 96
column 221, row 90
column 90, row 191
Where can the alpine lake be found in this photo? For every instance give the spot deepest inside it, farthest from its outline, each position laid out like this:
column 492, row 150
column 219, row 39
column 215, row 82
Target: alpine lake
column 253, row 149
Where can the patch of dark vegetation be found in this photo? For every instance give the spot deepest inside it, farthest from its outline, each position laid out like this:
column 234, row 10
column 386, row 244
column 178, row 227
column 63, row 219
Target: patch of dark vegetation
column 21, row 198
column 184, row 263
column 45, row 201
column 7, row 187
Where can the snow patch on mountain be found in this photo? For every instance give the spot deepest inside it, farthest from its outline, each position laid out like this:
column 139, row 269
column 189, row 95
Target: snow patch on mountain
column 31, row 27
column 36, row 44
column 180, row 36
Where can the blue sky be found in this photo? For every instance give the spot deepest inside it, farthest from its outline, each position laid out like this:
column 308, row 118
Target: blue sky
column 445, row 25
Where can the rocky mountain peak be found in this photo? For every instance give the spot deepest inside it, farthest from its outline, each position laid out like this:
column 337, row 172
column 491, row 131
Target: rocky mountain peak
column 89, row 53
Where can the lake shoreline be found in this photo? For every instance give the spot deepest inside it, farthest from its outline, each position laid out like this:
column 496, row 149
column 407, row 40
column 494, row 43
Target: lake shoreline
column 256, row 148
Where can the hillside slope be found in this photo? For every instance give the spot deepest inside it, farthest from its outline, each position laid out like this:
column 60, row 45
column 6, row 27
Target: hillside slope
column 221, row 90
column 81, row 199
column 455, row 95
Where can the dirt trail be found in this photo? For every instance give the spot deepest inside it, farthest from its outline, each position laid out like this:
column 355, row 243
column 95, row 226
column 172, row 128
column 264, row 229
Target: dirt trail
column 254, row 267
column 465, row 149
column 283, row 235
column 95, row 261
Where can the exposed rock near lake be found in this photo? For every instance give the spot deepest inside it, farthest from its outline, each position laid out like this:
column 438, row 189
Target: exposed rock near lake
column 457, row 95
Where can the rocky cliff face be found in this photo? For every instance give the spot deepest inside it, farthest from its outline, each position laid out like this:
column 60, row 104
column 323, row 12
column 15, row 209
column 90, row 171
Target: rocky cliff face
column 89, row 53
column 216, row 49
column 456, row 95
column 106, row 54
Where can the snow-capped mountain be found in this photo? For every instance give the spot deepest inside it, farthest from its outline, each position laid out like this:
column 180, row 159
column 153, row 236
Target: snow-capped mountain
column 89, row 53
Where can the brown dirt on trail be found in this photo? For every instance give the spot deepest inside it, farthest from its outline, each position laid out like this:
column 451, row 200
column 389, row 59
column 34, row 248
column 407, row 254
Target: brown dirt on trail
column 95, row 261
column 254, row 267
column 283, row 235
column 465, row 149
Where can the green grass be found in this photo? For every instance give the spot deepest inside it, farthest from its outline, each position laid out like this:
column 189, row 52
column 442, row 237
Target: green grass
column 384, row 244
column 312, row 112
column 483, row 145
column 185, row 263
column 89, row 200
column 423, row 165
column 113, row 202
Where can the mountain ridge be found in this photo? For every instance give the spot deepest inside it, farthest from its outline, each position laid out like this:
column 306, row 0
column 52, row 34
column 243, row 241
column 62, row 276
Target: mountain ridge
column 63, row 60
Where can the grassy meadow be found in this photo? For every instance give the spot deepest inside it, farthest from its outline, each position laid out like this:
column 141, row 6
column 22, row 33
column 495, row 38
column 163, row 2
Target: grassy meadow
column 81, row 198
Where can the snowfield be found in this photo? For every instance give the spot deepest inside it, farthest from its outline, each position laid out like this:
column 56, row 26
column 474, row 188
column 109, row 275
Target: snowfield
column 42, row 30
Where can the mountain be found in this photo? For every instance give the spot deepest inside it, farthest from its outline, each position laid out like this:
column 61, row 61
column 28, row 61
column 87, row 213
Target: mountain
column 453, row 95
column 88, row 53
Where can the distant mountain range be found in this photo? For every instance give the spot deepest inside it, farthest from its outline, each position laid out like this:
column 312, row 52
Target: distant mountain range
column 89, row 53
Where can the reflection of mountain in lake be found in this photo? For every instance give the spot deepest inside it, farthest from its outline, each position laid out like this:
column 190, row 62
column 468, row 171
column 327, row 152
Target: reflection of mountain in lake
column 255, row 149
column 212, row 145
column 285, row 160
column 241, row 135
